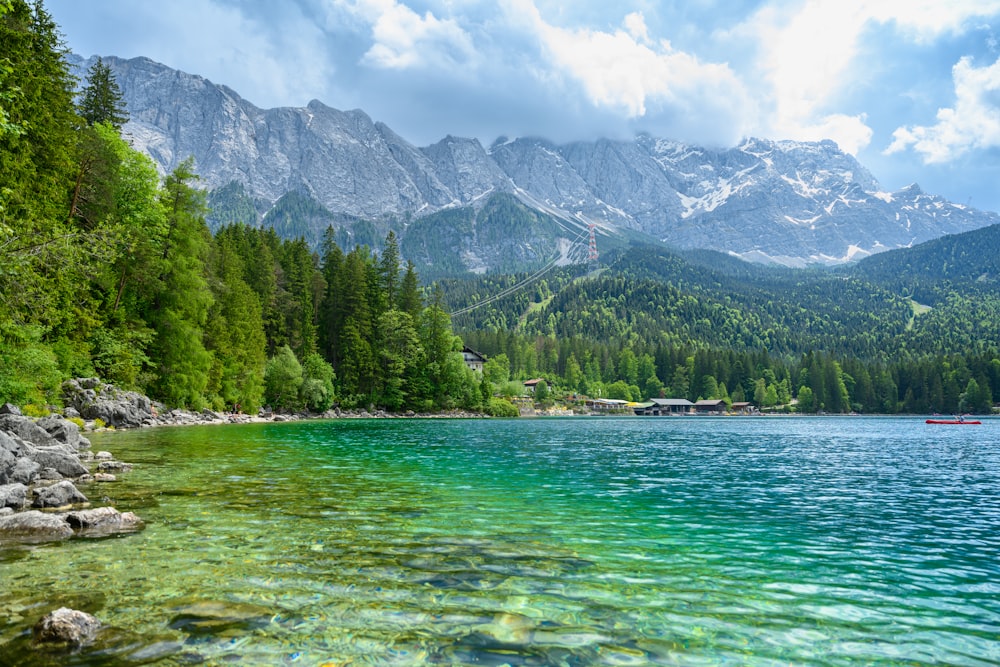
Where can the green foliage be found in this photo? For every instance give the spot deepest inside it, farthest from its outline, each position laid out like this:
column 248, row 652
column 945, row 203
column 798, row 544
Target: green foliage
column 541, row 391
column 101, row 100
column 316, row 392
column 181, row 297
column 497, row 369
column 499, row 407
column 297, row 215
column 35, row 410
column 283, row 380
column 118, row 355
column 520, row 237
column 29, row 370
column 234, row 332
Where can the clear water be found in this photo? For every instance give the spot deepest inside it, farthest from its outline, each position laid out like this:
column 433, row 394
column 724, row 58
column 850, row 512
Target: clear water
column 589, row 541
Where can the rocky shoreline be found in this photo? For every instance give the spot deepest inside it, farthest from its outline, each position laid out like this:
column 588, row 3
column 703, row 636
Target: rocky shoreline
column 46, row 466
column 43, row 461
column 43, row 464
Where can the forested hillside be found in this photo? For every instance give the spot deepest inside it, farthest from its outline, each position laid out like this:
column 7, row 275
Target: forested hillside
column 711, row 326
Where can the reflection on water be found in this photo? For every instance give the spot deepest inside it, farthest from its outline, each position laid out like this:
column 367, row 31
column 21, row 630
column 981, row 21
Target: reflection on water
column 535, row 542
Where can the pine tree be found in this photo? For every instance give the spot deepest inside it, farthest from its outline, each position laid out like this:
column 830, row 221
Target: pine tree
column 409, row 293
column 101, row 99
column 234, row 334
column 182, row 298
column 389, row 270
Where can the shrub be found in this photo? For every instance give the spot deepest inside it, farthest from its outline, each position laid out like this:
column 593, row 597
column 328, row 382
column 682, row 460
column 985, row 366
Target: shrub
column 35, row 410
column 283, row 379
column 498, row 407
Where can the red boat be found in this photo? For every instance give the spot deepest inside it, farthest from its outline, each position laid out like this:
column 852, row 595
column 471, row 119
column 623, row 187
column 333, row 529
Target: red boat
column 953, row 421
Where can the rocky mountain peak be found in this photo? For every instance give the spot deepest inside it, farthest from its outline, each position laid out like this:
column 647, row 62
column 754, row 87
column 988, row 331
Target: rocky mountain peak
column 781, row 201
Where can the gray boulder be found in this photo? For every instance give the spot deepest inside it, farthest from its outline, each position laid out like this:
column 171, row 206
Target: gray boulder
column 66, row 626
column 9, row 409
column 60, row 458
column 12, row 453
column 7, row 463
column 64, row 431
column 58, row 495
column 13, row 495
column 34, row 526
column 25, row 471
column 93, row 399
column 103, row 520
column 26, row 429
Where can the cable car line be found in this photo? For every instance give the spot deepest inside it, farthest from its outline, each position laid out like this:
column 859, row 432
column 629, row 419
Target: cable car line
column 551, row 264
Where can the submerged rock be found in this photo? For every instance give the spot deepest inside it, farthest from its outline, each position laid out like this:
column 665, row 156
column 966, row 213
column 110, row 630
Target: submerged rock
column 36, row 526
column 199, row 617
column 103, row 520
column 66, row 626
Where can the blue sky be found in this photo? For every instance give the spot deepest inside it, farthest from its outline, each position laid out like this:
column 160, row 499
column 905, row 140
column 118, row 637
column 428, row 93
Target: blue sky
column 911, row 88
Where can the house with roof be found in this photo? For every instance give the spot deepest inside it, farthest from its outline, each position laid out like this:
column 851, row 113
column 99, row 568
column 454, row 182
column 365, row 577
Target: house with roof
column 656, row 407
column 710, row 406
column 607, row 404
column 473, row 359
column 531, row 384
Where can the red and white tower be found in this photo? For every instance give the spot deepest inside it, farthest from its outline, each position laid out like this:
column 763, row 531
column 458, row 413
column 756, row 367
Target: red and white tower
column 592, row 255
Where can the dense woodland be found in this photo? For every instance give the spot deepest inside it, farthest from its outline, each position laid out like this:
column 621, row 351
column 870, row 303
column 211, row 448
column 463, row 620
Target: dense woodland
column 108, row 269
column 703, row 325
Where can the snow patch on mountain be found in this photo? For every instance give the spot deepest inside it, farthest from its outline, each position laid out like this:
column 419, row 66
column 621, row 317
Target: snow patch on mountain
column 788, row 202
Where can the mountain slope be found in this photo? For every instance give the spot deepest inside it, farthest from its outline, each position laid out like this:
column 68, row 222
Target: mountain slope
column 786, row 202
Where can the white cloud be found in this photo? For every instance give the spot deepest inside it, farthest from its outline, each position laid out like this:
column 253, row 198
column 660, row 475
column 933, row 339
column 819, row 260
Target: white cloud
column 625, row 72
column 404, row 39
column 973, row 123
column 808, row 56
column 928, row 19
column 635, row 23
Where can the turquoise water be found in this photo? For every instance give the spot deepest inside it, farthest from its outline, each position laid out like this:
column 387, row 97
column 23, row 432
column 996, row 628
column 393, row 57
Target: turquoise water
column 582, row 541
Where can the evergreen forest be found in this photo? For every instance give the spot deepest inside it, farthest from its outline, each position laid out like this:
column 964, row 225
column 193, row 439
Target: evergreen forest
column 110, row 269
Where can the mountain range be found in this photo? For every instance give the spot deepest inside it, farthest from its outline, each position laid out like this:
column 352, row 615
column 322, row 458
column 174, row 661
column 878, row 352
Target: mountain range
column 459, row 206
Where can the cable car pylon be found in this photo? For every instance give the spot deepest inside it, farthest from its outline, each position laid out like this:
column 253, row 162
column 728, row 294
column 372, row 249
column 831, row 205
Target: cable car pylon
column 592, row 257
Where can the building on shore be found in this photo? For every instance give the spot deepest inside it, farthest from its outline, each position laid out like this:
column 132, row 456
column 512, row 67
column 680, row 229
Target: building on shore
column 657, row 407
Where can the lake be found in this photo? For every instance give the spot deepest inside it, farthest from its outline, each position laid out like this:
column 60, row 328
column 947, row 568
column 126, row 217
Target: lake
column 573, row 541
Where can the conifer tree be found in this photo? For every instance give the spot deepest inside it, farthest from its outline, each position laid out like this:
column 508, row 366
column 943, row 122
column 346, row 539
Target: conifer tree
column 409, row 293
column 182, row 298
column 234, row 334
column 389, row 270
column 101, row 99
column 331, row 313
